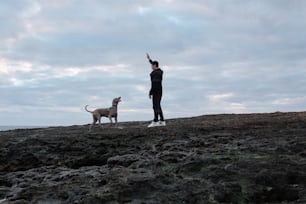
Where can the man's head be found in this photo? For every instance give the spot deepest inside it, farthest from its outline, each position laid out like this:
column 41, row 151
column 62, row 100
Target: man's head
column 154, row 65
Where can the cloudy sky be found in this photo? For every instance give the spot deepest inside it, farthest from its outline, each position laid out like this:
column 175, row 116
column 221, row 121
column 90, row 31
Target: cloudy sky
column 232, row 56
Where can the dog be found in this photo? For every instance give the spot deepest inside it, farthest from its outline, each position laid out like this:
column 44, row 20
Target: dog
column 111, row 112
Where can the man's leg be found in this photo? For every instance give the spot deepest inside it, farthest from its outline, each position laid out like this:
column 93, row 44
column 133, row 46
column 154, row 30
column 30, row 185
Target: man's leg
column 154, row 123
column 158, row 110
column 156, row 99
column 155, row 107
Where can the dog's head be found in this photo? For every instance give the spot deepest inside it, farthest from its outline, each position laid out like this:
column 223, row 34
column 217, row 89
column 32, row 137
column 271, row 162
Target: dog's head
column 116, row 100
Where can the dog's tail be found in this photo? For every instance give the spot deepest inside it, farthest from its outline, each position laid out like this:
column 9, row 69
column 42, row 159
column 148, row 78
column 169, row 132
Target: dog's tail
column 88, row 110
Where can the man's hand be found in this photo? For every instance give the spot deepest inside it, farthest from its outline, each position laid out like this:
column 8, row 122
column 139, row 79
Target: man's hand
column 148, row 56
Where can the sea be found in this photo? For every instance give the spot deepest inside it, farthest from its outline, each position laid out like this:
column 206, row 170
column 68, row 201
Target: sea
column 12, row 127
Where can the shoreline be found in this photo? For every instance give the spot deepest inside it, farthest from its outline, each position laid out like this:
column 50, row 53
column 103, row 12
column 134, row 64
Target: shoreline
column 16, row 127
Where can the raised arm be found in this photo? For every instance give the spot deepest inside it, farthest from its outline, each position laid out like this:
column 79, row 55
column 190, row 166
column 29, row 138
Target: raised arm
column 149, row 58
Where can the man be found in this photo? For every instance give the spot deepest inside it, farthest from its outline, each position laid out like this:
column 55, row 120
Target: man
column 156, row 92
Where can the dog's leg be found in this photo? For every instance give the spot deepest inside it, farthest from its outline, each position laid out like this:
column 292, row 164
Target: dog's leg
column 94, row 120
column 100, row 121
column 110, row 119
column 116, row 121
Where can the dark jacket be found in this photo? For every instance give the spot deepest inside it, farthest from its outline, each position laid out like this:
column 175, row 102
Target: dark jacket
column 156, row 82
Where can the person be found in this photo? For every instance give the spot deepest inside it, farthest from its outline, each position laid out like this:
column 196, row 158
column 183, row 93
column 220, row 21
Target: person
column 156, row 92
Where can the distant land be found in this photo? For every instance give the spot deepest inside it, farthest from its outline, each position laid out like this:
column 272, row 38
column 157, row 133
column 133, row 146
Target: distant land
column 12, row 127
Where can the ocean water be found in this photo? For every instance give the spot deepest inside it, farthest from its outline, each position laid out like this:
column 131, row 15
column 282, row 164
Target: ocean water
column 12, row 127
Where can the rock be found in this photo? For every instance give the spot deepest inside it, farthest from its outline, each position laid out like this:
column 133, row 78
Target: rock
column 247, row 158
column 229, row 192
column 123, row 160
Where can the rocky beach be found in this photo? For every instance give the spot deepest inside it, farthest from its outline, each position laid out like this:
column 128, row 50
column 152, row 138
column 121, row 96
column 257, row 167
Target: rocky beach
column 229, row 158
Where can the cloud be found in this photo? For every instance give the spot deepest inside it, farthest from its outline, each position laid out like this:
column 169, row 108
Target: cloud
column 217, row 57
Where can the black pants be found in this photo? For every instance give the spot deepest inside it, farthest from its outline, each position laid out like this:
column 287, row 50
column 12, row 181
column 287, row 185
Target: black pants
column 157, row 108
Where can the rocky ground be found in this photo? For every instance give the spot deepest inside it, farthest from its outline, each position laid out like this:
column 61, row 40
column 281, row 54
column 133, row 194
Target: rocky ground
column 248, row 158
